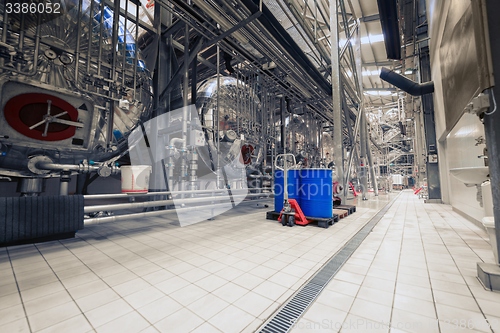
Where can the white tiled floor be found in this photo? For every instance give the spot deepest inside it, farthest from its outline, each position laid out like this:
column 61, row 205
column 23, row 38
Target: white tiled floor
column 416, row 271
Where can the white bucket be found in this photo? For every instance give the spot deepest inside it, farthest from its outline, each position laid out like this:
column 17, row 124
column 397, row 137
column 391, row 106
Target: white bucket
column 135, row 178
column 489, row 225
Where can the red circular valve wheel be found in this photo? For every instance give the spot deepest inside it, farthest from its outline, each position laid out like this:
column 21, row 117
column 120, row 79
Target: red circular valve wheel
column 26, row 110
column 246, row 153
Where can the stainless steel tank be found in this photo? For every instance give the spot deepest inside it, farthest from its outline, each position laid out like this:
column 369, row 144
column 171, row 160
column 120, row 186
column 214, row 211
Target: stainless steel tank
column 72, row 87
column 230, row 113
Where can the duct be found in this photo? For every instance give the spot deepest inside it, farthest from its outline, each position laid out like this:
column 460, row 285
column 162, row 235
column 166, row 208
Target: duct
column 409, row 86
column 388, row 10
column 283, row 38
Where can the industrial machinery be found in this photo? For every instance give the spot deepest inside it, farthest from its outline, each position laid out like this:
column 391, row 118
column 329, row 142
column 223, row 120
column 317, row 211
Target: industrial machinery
column 72, row 87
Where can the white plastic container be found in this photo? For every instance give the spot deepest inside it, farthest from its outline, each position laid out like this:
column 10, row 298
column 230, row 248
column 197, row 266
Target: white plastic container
column 135, row 178
column 397, row 179
column 489, row 224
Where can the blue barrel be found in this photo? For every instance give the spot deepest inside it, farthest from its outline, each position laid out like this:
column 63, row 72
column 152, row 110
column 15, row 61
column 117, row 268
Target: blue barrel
column 293, row 181
column 316, row 192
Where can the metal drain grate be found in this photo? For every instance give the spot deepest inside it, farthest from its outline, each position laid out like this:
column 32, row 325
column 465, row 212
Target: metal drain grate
column 283, row 320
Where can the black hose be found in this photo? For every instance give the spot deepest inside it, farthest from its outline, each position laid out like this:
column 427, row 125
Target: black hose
column 411, row 87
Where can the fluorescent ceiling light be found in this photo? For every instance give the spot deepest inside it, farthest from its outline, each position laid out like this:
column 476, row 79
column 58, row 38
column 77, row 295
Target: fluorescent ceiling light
column 366, row 72
column 408, row 71
column 370, row 72
column 364, row 40
column 378, row 92
column 372, row 39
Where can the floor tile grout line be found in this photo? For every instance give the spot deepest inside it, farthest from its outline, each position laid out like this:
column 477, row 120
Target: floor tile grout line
column 467, row 284
column 399, row 262
column 426, row 262
column 19, row 290
column 367, row 227
column 458, row 234
column 427, row 267
column 65, row 289
column 110, row 287
column 153, row 324
column 357, row 293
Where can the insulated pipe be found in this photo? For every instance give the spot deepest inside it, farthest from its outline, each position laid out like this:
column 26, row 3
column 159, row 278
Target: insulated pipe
column 403, row 83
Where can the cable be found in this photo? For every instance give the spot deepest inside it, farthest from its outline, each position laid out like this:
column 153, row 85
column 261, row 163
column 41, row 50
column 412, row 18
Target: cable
column 494, row 104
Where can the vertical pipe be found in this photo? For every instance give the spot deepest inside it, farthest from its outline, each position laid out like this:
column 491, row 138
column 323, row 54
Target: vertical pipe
column 264, row 115
column 337, row 103
column 124, row 44
column 238, row 99
column 373, row 174
column 185, row 109
column 114, row 42
column 100, row 44
column 194, row 81
column 136, row 54
column 216, row 115
column 362, row 155
column 89, row 48
column 78, row 40
column 283, row 125
column 169, row 54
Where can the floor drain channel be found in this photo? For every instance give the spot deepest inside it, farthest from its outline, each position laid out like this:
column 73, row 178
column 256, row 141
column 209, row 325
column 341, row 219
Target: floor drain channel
column 284, row 319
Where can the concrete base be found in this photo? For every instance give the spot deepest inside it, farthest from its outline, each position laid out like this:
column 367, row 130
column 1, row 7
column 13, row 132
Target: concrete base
column 489, row 275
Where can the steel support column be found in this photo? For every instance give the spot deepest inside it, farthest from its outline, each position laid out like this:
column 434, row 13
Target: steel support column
column 373, row 174
column 492, row 121
column 336, row 98
column 363, row 141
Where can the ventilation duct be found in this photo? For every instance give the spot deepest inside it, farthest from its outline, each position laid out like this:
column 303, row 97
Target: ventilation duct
column 411, row 87
column 390, row 27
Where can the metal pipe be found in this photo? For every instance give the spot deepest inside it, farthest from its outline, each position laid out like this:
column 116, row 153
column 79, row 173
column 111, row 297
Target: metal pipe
column 136, row 54
column 216, row 115
column 128, row 195
column 372, row 168
column 362, row 155
column 115, row 218
column 67, row 167
column 64, row 182
column 336, row 100
column 78, row 40
column 100, row 43
column 156, row 203
column 283, row 125
column 124, row 45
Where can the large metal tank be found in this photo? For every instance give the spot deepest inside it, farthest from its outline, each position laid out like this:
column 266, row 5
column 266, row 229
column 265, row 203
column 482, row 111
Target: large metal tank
column 72, row 87
column 231, row 116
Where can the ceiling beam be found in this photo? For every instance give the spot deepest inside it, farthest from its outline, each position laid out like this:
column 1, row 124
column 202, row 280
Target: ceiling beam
column 379, row 63
column 370, row 18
